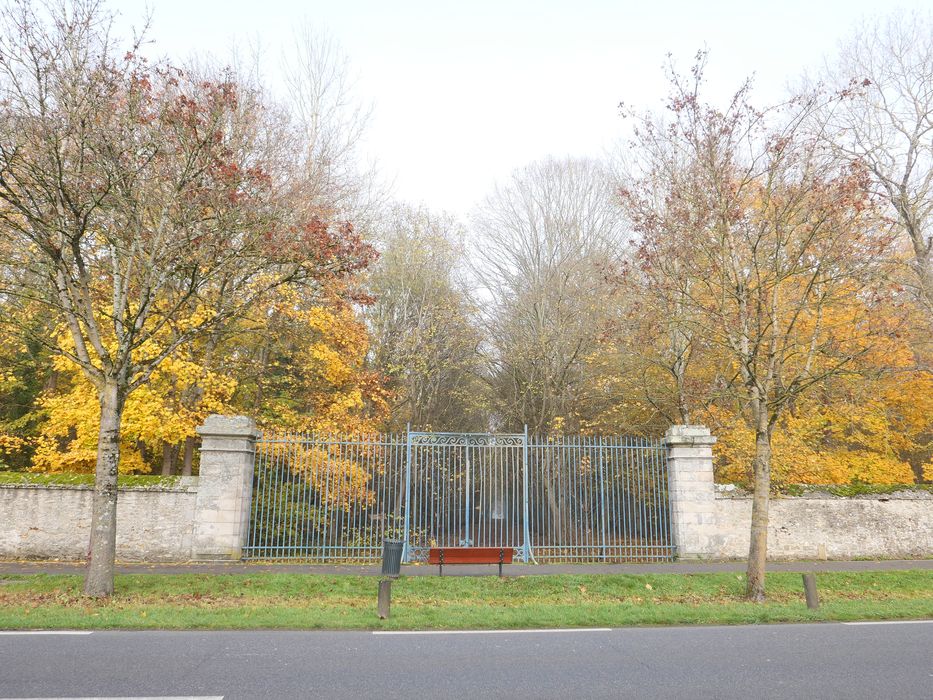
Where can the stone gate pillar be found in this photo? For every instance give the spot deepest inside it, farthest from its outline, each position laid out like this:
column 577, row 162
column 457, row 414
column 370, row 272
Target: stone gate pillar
column 225, row 486
column 692, row 493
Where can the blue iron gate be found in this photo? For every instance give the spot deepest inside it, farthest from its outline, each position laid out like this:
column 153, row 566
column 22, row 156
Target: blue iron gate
column 551, row 498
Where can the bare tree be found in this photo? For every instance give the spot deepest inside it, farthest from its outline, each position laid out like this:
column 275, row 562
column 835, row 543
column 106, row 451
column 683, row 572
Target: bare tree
column 423, row 325
column 542, row 245
column 884, row 74
column 321, row 96
column 142, row 206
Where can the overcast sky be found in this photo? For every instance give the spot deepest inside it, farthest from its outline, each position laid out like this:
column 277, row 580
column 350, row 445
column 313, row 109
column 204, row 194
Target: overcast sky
column 465, row 92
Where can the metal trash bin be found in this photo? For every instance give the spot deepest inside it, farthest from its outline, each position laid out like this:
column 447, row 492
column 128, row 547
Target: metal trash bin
column 392, row 557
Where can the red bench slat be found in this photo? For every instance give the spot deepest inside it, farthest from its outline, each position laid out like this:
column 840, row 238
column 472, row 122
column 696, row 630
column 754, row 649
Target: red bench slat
column 470, row 555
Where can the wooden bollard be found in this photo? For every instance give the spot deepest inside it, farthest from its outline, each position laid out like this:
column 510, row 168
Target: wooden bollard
column 809, row 588
column 385, row 597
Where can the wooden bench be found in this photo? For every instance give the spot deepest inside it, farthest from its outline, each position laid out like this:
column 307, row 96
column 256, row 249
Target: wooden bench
column 469, row 555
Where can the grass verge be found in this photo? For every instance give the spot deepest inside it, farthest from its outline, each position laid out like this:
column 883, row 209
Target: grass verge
column 299, row 601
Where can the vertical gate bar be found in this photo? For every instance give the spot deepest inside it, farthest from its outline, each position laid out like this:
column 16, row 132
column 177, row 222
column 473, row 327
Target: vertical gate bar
column 585, row 521
column 508, row 485
column 312, row 496
column 580, row 487
column 621, row 511
column 494, row 526
column 570, row 530
column 583, row 509
column 578, row 535
column 282, row 502
column 526, row 527
column 341, row 461
column 269, row 524
column 655, row 486
column 340, row 484
column 649, row 500
column 348, row 457
column 260, row 519
column 326, row 454
column 487, row 455
column 593, row 497
column 394, row 488
column 405, row 547
column 665, row 499
column 609, row 473
column 359, row 498
column 293, row 475
column 306, row 492
column 480, row 481
column 376, row 524
column 353, row 495
column 260, row 485
column 480, row 508
column 258, row 488
column 315, row 500
column 469, row 492
column 557, row 461
column 602, row 499
column 589, row 484
column 629, row 496
column 614, row 498
column 641, row 493
column 326, row 446
column 671, row 545
column 625, row 456
column 650, row 493
column 432, row 497
column 549, row 453
column 636, row 453
column 562, row 493
column 368, row 496
column 320, row 471
column 659, row 506
column 277, row 500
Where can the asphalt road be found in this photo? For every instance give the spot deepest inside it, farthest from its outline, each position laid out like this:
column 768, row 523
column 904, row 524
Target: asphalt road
column 768, row 661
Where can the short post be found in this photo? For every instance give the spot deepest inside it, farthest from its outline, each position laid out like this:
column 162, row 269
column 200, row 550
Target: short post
column 385, row 598
column 809, row 588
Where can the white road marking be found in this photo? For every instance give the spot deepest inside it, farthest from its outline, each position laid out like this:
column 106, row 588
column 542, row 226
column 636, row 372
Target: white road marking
column 544, row 631
column 890, row 622
column 82, row 632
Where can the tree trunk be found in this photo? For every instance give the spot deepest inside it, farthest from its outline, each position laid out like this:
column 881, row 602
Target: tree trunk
column 168, row 458
column 102, row 550
column 758, row 547
column 189, row 456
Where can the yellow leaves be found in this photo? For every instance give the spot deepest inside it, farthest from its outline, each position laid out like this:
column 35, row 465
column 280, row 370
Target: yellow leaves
column 340, row 481
column 813, row 445
column 178, row 397
column 10, row 443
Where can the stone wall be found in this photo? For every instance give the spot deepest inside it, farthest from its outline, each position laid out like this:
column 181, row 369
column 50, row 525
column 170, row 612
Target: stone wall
column 713, row 522
column 203, row 517
column 54, row 522
column 898, row 526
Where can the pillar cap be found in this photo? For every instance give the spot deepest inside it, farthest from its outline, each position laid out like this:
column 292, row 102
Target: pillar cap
column 688, row 435
column 216, row 425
